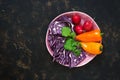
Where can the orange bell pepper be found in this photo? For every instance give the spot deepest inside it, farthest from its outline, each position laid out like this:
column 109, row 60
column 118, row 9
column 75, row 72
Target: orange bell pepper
column 91, row 36
column 92, row 47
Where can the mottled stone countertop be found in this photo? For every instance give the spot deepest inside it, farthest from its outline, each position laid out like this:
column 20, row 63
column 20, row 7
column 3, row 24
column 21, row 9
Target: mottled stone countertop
column 23, row 53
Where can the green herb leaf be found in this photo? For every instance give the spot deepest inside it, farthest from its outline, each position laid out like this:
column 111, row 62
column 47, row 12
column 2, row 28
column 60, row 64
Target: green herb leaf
column 77, row 52
column 71, row 45
column 66, row 31
column 68, row 44
column 72, row 34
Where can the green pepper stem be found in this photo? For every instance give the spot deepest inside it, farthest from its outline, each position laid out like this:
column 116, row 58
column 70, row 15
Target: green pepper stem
column 101, row 34
column 101, row 48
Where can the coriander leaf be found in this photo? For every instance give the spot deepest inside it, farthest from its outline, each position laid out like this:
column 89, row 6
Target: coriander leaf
column 78, row 44
column 74, row 44
column 73, row 48
column 66, row 31
column 77, row 52
column 68, row 44
column 72, row 34
column 71, row 45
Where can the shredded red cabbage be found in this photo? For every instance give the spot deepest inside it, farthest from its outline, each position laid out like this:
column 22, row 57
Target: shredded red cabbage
column 56, row 43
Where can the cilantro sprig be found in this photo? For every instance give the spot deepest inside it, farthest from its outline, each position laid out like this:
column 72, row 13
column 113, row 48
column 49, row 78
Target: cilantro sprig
column 70, row 44
column 66, row 32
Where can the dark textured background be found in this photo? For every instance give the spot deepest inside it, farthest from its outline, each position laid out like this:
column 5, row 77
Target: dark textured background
column 23, row 26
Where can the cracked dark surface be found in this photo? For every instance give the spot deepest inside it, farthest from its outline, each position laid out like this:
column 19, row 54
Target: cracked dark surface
column 23, row 26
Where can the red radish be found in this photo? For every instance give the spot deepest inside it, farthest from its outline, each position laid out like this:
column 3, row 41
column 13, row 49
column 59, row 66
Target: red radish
column 76, row 19
column 87, row 25
column 78, row 29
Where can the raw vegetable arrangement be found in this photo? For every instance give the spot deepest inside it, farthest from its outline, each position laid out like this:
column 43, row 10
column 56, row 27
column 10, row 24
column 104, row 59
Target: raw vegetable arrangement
column 70, row 38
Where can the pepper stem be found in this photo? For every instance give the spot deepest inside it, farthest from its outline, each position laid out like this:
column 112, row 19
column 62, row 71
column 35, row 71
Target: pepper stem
column 101, row 48
column 101, row 34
